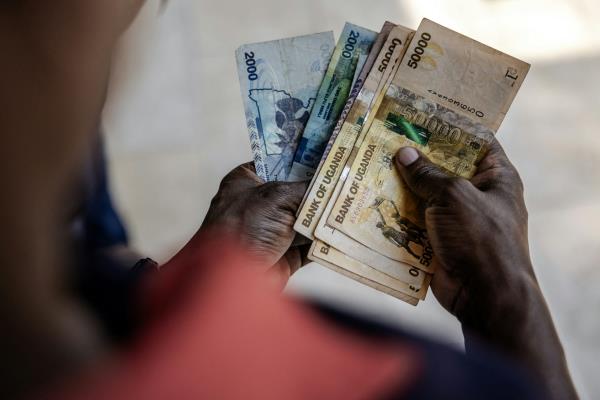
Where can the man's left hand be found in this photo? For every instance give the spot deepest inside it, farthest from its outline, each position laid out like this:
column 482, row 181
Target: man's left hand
column 261, row 216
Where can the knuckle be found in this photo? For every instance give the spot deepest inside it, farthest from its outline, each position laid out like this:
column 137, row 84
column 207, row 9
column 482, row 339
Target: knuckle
column 422, row 174
column 512, row 181
column 274, row 191
column 519, row 182
column 241, row 172
column 237, row 170
column 493, row 175
column 454, row 187
column 423, row 170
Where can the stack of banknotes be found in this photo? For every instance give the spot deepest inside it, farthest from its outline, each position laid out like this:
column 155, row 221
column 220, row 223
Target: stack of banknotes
column 336, row 114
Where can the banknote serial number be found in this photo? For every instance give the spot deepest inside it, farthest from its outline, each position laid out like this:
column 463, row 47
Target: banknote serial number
column 422, row 44
column 251, row 65
column 350, row 44
column 388, row 55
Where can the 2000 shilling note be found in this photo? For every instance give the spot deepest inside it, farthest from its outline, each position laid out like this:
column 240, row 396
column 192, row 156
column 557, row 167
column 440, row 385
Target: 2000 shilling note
column 357, row 85
column 346, row 134
column 279, row 82
column 362, row 274
column 447, row 99
column 353, row 43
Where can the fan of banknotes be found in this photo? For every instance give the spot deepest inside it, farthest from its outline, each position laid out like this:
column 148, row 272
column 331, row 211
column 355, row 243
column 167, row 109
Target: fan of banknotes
column 336, row 114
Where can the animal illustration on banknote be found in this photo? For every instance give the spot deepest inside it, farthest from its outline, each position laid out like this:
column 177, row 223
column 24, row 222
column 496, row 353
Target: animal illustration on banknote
column 398, row 238
column 281, row 118
column 289, row 121
column 415, row 234
column 407, row 233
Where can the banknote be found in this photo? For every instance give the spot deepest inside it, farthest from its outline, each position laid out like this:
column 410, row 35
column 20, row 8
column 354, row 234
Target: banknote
column 347, row 131
column 361, row 253
column 359, row 272
column 362, row 59
column 330, row 254
column 279, row 82
column 353, row 43
column 343, row 242
column 448, row 98
column 357, row 86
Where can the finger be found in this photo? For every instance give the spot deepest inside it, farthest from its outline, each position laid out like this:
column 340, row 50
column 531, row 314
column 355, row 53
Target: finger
column 285, row 267
column 304, row 251
column 243, row 176
column 294, row 259
column 283, row 195
column 446, row 289
column 425, row 179
column 279, row 274
column 496, row 169
column 495, row 157
column 249, row 166
column 300, row 240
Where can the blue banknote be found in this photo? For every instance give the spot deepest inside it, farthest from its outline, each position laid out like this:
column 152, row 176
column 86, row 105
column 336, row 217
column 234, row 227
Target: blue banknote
column 351, row 51
column 279, row 82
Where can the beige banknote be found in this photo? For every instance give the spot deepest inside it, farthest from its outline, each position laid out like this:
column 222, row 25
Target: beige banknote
column 358, row 251
column 447, row 98
column 330, row 254
column 345, row 137
column 351, row 247
column 356, row 271
column 357, row 86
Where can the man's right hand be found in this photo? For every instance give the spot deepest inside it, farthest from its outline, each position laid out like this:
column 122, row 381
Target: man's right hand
column 473, row 225
column 478, row 231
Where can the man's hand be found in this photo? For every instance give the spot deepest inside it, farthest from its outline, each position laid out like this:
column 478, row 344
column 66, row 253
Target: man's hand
column 473, row 225
column 261, row 216
column 478, row 231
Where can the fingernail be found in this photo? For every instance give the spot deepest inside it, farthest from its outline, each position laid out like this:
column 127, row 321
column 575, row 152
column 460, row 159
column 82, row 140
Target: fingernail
column 407, row 156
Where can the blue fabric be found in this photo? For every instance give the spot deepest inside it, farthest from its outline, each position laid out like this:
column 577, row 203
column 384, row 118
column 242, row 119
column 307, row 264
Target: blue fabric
column 447, row 373
column 101, row 223
column 103, row 280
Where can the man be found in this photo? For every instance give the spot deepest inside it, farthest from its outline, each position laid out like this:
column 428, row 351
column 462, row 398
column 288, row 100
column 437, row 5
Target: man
column 208, row 324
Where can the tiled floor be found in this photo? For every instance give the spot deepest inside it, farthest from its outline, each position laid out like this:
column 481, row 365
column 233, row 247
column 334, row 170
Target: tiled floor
column 175, row 127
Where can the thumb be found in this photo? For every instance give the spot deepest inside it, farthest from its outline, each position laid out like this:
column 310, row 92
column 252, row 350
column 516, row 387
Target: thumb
column 423, row 177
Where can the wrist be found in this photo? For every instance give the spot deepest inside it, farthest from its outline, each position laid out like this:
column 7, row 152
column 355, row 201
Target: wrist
column 521, row 327
column 499, row 310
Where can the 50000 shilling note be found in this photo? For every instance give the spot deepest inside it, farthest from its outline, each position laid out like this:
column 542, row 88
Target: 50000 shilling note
column 363, row 273
column 345, row 136
column 324, row 252
column 357, row 86
column 361, row 253
column 279, row 82
column 353, row 43
column 447, row 99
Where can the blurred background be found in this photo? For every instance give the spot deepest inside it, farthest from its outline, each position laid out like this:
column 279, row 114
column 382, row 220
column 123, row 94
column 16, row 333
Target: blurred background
column 175, row 125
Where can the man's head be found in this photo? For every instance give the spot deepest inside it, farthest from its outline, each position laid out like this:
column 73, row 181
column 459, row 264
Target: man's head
column 56, row 59
column 54, row 73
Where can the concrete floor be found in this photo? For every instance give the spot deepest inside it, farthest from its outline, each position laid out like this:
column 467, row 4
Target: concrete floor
column 175, row 126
